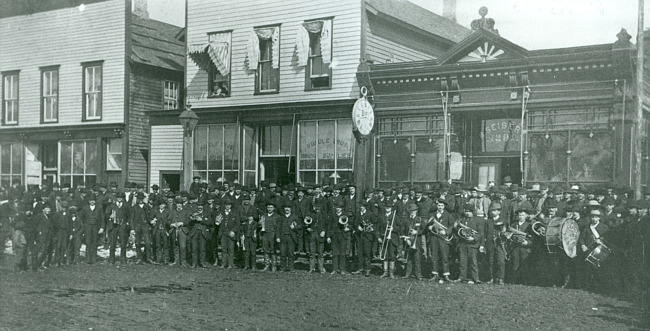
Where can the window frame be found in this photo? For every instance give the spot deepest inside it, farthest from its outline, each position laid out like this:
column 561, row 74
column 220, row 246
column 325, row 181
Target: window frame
column 99, row 103
column 72, row 173
column 108, row 153
column 316, row 170
column 214, row 71
column 276, row 72
column 16, row 100
column 236, row 156
column 12, row 172
column 308, row 67
column 44, row 70
column 165, row 96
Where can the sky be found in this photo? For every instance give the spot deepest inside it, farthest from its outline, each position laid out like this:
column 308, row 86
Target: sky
column 532, row 24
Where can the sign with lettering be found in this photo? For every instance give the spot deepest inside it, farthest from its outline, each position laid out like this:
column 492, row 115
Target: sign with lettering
column 501, row 135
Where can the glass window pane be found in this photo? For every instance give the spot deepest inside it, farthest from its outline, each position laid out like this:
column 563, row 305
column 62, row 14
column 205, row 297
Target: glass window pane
column 250, row 138
column 78, row 180
column 90, row 181
column 215, row 177
column 215, row 147
column 395, row 162
column 591, row 157
column 344, row 177
column 326, row 177
column 16, row 158
column 5, row 181
column 500, row 135
column 92, row 159
column 344, row 141
column 231, row 147
column 78, row 162
column 325, row 148
column 429, row 163
column 308, row 177
column 308, row 145
column 230, row 175
column 66, row 157
column 286, row 141
column 272, row 138
column 115, row 146
column 249, row 178
column 98, row 79
column 548, row 158
column 5, row 162
column 65, row 179
column 200, row 148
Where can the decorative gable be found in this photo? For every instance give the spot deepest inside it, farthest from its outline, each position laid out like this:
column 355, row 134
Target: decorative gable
column 486, row 52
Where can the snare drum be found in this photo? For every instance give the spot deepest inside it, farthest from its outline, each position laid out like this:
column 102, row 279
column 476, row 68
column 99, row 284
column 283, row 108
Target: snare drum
column 562, row 235
column 598, row 255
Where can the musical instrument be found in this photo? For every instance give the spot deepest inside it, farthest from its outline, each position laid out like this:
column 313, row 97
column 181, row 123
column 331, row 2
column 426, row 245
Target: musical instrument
column 387, row 236
column 598, row 255
column 561, row 234
column 263, row 223
column 367, row 226
column 436, row 228
column 113, row 217
column 516, row 236
column 539, row 229
column 501, row 239
column 343, row 221
column 465, row 232
column 308, row 223
column 218, row 220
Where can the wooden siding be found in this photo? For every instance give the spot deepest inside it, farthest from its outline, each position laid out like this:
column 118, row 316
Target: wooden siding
column 386, row 42
column 67, row 37
column 166, row 150
column 241, row 16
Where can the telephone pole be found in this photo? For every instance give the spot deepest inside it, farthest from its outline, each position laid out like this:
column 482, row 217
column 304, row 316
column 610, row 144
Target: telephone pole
column 638, row 146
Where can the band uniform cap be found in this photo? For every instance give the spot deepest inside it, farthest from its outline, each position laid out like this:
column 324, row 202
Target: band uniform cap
column 339, row 204
column 411, row 207
column 169, row 194
column 227, row 202
column 595, row 211
column 92, row 197
column 525, row 210
column 196, row 177
column 140, row 195
column 178, row 200
column 550, row 203
column 442, row 201
column 389, row 204
column 160, row 201
column 507, row 179
column 468, row 207
column 120, row 195
column 271, row 203
column 155, row 187
column 73, row 209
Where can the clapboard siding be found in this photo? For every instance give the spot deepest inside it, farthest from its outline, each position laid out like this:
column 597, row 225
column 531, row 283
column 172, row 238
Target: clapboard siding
column 387, row 42
column 67, row 37
column 242, row 16
column 166, row 150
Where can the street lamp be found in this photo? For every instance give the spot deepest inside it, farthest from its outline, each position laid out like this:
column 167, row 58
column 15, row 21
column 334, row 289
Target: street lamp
column 188, row 120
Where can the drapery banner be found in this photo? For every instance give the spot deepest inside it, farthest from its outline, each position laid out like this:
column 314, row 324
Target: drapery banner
column 253, row 46
column 217, row 51
column 324, row 28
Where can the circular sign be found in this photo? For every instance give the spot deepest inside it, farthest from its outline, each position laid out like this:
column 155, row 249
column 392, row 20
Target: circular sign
column 363, row 116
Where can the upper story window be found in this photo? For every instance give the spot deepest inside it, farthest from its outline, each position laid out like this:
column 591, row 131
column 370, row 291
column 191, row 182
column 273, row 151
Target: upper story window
column 170, row 95
column 264, row 57
column 50, row 94
column 10, row 98
column 214, row 57
column 92, row 81
column 314, row 48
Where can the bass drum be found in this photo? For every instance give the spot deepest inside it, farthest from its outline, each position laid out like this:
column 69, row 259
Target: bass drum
column 562, row 235
column 598, row 255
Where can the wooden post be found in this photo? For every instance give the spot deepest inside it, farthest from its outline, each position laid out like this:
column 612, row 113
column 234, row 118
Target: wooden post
column 187, row 159
column 638, row 146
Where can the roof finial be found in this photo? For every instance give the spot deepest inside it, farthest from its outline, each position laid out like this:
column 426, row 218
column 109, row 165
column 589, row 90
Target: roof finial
column 484, row 23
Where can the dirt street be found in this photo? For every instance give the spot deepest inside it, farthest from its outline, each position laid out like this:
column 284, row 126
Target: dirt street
column 148, row 297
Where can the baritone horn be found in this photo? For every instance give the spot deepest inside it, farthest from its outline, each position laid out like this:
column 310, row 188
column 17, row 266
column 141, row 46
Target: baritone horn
column 436, row 228
column 465, row 232
column 385, row 241
column 516, row 236
column 539, row 229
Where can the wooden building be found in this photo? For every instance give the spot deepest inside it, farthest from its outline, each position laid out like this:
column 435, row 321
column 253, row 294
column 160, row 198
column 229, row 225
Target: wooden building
column 487, row 108
column 77, row 79
column 274, row 83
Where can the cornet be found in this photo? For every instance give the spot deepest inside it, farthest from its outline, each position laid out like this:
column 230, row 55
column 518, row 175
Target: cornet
column 308, row 221
column 343, row 220
column 465, row 232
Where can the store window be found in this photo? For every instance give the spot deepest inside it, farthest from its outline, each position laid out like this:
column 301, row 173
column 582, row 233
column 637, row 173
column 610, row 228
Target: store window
column 412, row 150
column 216, row 153
column 277, row 140
column 79, row 162
column 500, row 135
column 325, row 151
column 548, row 157
column 114, row 154
column 11, row 164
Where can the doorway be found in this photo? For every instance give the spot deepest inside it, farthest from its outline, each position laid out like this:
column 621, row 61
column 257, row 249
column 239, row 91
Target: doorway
column 279, row 170
column 173, row 179
column 510, row 166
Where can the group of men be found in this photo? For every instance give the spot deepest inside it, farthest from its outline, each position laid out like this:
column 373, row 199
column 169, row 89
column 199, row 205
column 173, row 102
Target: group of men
column 453, row 232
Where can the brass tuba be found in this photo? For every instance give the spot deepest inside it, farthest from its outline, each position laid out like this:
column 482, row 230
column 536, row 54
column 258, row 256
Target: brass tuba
column 435, row 229
column 516, row 236
column 539, row 229
column 465, row 232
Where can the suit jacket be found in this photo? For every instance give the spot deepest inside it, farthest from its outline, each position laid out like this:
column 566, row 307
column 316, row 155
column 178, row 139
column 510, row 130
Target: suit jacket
column 121, row 215
column 446, row 219
column 425, row 207
column 163, row 218
column 384, row 221
column 285, row 229
column 92, row 217
column 302, row 207
column 351, row 205
column 269, row 224
column 140, row 215
column 477, row 224
column 587, row 237
column 182, row 216
column 525, row 227
column 229, row 223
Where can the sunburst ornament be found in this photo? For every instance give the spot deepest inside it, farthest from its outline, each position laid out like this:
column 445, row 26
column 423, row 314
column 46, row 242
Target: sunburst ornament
column 486, row 52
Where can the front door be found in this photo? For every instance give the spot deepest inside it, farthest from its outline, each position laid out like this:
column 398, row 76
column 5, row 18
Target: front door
column 487, row 172
column 279, row 170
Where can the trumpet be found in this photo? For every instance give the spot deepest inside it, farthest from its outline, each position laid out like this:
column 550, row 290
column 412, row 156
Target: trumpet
column 436, row 228
column 263, row 223
column 367, row 226
column 465, row 232
column 343, row 220
column 539, row 229
column 383, row 252
column 308, row 223
column 218, row 220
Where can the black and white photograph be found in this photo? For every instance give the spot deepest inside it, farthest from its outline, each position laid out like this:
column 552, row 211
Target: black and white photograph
column 325, row 165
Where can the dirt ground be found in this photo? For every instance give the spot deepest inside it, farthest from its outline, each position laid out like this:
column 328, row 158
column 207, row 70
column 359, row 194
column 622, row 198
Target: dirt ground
column 150, row 297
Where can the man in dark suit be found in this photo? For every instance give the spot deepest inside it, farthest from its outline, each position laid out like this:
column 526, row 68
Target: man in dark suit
column 590, row 239
column 117, row 225
column 140, row 216
column 92, row 217
column 228, row 233
column 269, row 229
column 290, row 224
column 471, row 243
column 439, row 245
column 522, row 243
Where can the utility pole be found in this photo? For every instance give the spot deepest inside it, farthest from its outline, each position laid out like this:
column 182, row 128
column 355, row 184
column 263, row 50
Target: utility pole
column 638, row 146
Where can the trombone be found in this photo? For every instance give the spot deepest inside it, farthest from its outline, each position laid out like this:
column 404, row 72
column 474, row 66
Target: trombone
column 383, row 252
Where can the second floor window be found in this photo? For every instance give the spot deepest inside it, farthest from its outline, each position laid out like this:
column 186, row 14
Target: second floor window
column 263, row 52
column 92, row 104
column 170, row 95
column 50, row 95
column 10, row 98
column 314, row 48
column 219, row 51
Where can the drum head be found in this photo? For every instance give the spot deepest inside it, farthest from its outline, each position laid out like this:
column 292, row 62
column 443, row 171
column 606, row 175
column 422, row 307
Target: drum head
column 570, row 233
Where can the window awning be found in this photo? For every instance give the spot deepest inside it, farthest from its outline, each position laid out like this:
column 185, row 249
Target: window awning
column 215, row 52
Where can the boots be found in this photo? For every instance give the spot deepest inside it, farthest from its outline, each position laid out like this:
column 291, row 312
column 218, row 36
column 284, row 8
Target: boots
column 385, row 274
column 267, row 262
column 321, row 264
column 391, row 269
column 312, row 264
column 342, row 264
column 335, row 264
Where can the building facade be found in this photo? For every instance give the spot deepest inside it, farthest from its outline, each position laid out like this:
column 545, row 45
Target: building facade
column 488, row 108
column 77, row 78
column 274, row 83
